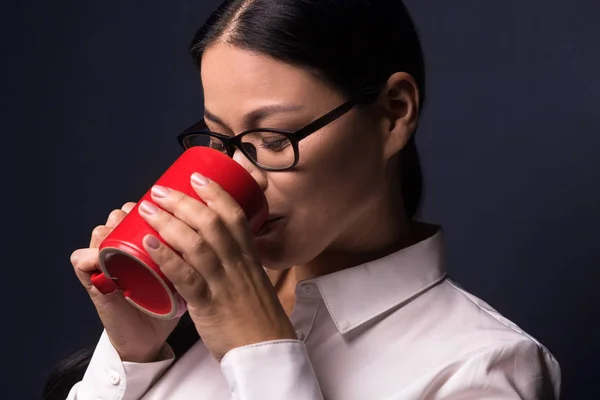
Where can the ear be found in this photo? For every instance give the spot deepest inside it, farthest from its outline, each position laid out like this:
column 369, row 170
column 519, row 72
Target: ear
column 400, row 99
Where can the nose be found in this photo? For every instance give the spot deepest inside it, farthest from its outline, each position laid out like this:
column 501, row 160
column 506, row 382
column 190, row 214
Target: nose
column 257, row 173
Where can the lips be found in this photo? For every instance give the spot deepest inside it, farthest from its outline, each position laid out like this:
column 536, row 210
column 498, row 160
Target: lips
column 268, row 225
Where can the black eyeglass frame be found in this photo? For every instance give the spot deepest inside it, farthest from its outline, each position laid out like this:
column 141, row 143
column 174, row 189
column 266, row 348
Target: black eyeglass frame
column 235, row 142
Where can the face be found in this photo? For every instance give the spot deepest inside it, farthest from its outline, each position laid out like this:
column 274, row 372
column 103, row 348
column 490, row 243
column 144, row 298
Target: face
column 328, row 199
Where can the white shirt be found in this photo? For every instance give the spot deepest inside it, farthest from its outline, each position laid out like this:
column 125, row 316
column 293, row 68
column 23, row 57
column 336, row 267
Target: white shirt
column 396, row 329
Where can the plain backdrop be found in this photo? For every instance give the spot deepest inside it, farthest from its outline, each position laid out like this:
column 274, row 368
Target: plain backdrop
column 94, row 93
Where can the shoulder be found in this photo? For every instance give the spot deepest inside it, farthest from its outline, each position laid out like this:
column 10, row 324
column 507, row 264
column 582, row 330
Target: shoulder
column 477, row 316
column 482, row 344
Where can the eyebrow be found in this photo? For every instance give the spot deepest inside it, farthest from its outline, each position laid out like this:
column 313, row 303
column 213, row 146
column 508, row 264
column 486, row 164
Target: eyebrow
column 256, row 115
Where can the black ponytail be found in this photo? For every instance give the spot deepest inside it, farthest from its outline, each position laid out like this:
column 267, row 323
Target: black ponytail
column 70, row 370
column 66, row 374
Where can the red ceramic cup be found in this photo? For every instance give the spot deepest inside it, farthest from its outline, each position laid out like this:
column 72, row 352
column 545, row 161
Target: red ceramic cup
column 127, row 267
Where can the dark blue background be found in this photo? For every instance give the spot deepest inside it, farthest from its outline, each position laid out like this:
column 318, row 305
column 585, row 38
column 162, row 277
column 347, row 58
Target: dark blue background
column 93, row 94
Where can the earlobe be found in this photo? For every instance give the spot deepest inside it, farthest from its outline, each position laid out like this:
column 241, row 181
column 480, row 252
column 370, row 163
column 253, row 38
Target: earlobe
column 397, row 140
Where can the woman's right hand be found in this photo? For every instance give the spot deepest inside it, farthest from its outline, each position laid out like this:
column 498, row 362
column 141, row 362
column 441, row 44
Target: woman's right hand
column 136, row 336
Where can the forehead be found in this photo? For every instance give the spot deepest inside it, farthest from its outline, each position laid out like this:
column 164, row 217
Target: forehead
column 228, row 71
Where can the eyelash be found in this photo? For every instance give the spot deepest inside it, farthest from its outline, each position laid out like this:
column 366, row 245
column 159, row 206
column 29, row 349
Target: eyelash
column 269, row 145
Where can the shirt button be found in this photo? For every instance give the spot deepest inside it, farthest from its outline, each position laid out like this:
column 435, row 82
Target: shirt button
column 308, row 289
column 114, row 377
column 300, row 335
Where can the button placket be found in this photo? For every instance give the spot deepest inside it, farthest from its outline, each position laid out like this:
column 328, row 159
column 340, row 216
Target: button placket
column 308, row 299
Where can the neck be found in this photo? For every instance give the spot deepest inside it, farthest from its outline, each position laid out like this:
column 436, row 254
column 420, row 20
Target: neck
column 372, row 236
column 373, row 243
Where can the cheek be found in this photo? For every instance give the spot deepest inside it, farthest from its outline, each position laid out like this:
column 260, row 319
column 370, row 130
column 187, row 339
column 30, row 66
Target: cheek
column 348, row 158
column 321, row 197
column 338, row 175
column 337, row 172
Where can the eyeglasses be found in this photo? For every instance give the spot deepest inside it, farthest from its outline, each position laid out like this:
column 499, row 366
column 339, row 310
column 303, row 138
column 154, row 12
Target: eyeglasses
column 269, row 149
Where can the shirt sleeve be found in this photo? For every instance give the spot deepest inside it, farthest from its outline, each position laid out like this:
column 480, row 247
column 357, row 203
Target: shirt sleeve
column 109, row 378
column 273, row 370
column 523, row 370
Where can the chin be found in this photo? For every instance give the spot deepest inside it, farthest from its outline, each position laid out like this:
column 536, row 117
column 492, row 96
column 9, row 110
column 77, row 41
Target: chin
column 270, row 252
column 279, row 254
column 274, row 260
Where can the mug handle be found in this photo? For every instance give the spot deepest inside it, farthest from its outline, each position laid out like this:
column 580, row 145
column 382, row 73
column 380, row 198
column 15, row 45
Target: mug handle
column 103, row 284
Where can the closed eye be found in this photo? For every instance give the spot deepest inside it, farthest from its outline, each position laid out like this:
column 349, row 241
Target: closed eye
column 275, row 145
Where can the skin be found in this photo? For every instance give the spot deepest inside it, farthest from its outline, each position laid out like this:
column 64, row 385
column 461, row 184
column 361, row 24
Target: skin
column 340, row 207
column 136, row 337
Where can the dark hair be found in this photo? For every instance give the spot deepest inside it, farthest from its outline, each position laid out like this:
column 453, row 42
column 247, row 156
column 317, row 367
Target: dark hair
column 355, row 45
column 70, row 370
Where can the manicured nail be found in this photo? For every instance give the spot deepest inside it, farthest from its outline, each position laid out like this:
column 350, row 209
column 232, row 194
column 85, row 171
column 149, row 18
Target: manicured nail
column 160, row 191
column 152, row 242
column 199, row 180
column 148, row 208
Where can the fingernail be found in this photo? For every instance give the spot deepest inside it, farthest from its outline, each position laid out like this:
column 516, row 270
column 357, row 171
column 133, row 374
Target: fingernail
column 148, row 208
column 160, row 191
column 152, row 242
column 199, row 180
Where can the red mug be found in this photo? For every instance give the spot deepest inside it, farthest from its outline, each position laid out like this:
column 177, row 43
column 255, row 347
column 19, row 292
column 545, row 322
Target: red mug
column 127, row 267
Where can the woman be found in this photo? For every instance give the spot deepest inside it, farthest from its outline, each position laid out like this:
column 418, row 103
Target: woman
column 353, row 301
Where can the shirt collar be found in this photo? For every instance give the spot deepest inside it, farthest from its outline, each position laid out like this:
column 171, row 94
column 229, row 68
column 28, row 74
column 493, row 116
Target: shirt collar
column 359, row 294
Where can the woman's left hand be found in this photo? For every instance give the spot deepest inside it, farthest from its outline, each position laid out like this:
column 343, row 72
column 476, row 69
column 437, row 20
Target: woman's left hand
column 219, row 274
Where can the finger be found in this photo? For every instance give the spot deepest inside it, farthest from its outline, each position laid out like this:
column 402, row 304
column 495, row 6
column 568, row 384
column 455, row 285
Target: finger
column 184, row 240
column 85, row 263
column 200, row 218
column 127, row 207
column 188, row 282
column 116, row 216
column 98, row 235
column 85, row 260
column 226, row 207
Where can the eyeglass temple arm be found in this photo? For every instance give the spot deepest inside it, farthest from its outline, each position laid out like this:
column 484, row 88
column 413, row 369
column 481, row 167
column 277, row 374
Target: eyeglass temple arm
column 325, row 119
